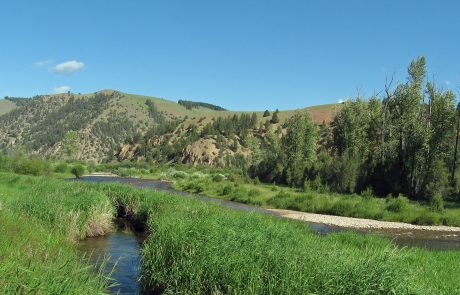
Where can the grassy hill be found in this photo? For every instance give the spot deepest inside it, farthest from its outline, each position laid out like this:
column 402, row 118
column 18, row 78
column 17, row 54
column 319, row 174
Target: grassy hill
column 6, row 106
column 172, row 109
column 108, row 119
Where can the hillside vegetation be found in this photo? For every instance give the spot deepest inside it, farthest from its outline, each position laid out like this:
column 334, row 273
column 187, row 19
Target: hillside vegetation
column 6, row 106
column 110, row 123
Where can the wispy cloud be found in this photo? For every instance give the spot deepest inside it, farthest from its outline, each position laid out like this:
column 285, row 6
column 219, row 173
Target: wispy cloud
column 43, row 63
column 447, row 82
column 68, row 67
column 62, row 89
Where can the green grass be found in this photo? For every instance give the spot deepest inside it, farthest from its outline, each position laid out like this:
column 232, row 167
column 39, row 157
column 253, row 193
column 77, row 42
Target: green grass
column 34, row 261
column 198, row 247
column 6, row 106
column 319, row 113
column 37, row 253
column 240, row 189
column 76, row 212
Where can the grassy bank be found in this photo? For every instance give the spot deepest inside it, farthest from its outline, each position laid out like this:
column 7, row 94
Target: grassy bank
column 199, row 247
column 350, row 205
column 230, row 185
column 37, row 253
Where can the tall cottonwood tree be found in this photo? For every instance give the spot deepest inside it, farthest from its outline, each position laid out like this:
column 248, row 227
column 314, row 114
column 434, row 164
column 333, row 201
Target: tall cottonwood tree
column 454, row 160
column 408, row 135
column 300, row 147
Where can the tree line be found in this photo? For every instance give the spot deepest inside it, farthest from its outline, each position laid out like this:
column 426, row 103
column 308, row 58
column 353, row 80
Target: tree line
column 404, row 143
column 188, row 104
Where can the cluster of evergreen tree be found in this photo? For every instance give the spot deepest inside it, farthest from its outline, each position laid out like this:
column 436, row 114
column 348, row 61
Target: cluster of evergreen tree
column 72, row 116
column 154, row 113
column 155, row 145
column 232, row 125
column 404, row 143
column 188, row 104
column 19, row 101
column 116, row 129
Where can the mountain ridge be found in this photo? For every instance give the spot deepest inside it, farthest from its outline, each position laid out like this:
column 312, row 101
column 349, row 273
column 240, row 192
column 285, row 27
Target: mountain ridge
column 106, row 120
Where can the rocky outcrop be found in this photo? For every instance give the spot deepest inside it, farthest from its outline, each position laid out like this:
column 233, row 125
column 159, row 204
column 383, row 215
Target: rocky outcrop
column 128, row 151
column 205, row 151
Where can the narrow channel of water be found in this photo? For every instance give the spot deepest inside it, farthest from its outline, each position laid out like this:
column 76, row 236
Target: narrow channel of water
column 122, row 253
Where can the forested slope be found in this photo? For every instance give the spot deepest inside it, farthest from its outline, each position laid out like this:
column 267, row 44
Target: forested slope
column 107, row 122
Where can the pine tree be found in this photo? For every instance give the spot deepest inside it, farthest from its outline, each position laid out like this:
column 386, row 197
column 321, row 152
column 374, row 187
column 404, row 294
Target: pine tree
column 254, row 120
column 275, row 118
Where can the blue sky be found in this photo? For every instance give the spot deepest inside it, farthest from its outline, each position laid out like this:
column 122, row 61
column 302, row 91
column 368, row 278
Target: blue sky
column 246, row 55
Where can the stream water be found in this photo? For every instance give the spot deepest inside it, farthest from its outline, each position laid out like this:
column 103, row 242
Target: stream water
column 119, row 254
column 122, row 248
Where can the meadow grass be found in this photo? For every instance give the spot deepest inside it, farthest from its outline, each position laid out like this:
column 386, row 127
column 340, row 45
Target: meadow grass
column 230, row 184
column 196, row 247
column 36, row 260
column 74, row 211
column 239, row 189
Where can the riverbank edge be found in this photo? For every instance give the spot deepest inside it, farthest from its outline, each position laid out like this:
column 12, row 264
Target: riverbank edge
column 359, row 223
column 332, row 220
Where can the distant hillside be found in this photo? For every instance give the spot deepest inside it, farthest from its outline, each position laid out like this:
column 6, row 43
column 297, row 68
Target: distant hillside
column 111, row 123
column 6, row 106
column 18, row 101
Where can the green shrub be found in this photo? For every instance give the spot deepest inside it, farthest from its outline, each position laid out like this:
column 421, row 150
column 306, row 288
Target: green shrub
column 284, row 200
column 194, row 187
column 227, row 190
column 32, row 166
column 218, row 177
column 316, row 184
column 342, row 208
column 367, row 194
column 179, row 174
column 238, row 196
column 427, row 218
column 283, row 194
column 437, row 203
column 254, row 192
column 306, row 186
column 61, row 167
column 78, row 170
column 397, row 204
